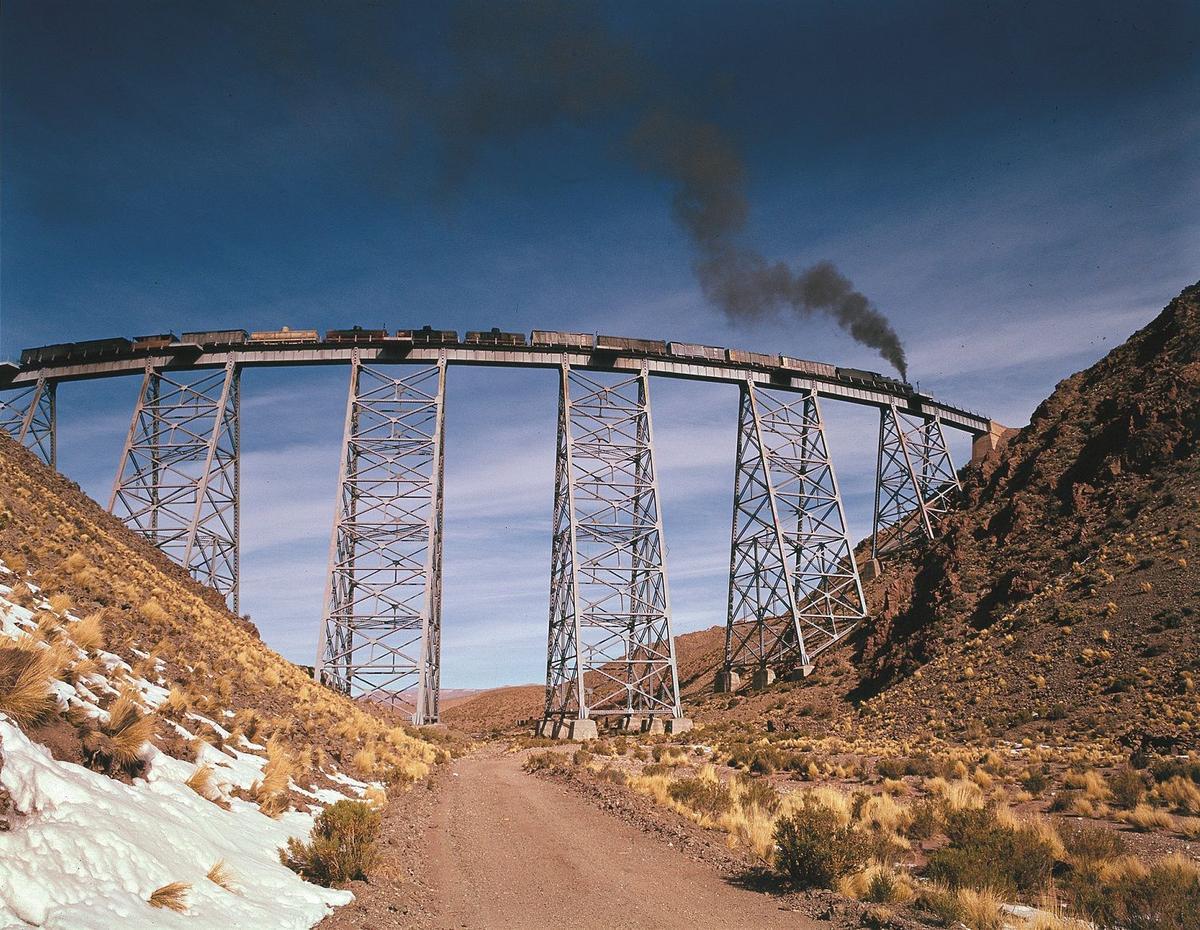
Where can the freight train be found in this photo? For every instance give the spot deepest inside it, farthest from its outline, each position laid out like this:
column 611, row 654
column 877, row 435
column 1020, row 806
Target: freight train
column 605, row 347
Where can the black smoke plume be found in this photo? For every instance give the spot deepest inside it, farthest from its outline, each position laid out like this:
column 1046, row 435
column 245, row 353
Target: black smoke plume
column 540, row 63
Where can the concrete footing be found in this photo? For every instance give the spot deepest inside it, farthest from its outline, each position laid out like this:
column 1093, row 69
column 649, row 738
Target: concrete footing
column 653, row 725
column 631, row 724
column 728, row 682
column 567, row 729
column 799, row 672
column 763, row 677
column 679, row 725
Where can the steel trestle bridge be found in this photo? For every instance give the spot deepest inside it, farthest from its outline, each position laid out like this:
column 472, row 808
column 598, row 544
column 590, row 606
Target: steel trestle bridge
column 795, row 587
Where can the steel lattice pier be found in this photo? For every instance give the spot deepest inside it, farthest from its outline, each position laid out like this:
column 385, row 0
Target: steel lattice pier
column 610, row 648
column 29, row 417
column 794, row 587
column 916, row 481
column 177, row 484
column 381, row 630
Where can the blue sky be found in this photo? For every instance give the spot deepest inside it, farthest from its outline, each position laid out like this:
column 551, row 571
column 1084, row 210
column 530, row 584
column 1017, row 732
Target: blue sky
column 1014, row 186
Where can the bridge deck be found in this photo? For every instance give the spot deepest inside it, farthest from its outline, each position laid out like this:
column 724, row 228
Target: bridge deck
column 184, row 357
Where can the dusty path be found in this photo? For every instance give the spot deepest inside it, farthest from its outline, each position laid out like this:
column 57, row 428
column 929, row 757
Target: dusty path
column 507, row 850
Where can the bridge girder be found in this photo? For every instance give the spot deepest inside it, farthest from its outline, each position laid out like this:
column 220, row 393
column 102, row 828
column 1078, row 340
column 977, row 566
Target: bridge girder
column 794, row 586
column 915, row 480
column 381, row 627
column 610, row 649
column 178, row 484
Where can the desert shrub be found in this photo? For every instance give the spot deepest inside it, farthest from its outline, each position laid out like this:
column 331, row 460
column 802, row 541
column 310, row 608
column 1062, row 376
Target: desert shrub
column 658, row 768
column 1128, row 787
column 1128, row 895
column 341, row 846
column 707, row 797
column 985, row 853
column 759, row 759
column 926, row 819
column 1036, row 780
column 814, row 849
column 581, row 757
column 1087, row 842
column 541, row 761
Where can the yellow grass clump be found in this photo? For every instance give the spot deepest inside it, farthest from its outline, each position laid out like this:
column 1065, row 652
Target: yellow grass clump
column 25, row 674
column 1146, row 818
column 172, row 897
column 271, row 791
column 127, row 730
column 88, row 633
column 220, row 874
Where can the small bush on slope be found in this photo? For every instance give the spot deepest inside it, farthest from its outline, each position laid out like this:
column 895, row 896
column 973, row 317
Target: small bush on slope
column 815, row 849
column 341, row 847
column 983, row 852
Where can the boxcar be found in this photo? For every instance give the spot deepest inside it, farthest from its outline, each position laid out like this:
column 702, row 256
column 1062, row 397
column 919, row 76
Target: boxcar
column 428, row 336
column 494, row 337
column 216, row 337
column 156, row 341
column 355, row 335
column 544, row 338
column 627, row 344
column 285, row 336
column 691, row 350
column 742, row 357
column 804, row 366
column 89, row 349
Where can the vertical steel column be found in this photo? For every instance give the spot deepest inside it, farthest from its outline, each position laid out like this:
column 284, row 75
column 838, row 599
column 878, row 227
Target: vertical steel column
column 916, row 481
column 794, row 587
column 29, row 416
column 381, row 629
column 178, row 481
column 610, row 651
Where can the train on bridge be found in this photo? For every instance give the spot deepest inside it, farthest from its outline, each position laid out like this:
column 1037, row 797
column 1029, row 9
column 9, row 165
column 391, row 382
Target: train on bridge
column 781, row 366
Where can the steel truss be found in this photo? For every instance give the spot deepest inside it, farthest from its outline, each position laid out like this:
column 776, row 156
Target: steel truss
column 29, row 417
column 610, row 651
column 381, row 630
column 794, row 587
column 178, row 482
column 916, row 481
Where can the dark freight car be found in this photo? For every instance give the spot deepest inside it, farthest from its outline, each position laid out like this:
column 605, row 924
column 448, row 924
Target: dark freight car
column 88, row 350
column 428, row 336
column 626, row 344
column 216, row 337
column 356, row 335
column 494, row 337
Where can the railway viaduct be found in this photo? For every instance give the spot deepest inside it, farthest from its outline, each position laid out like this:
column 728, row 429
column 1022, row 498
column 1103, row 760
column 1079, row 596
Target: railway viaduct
column 795, row 587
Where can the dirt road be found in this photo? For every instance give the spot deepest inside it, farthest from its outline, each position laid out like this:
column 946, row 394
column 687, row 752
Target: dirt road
column 507, row 850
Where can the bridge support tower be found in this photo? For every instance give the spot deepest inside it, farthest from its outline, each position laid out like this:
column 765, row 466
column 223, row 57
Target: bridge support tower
column 29, row 416
column 794, row 586
column 178, row 481
column 610, row 651
column 381, row 629
column 915, row 483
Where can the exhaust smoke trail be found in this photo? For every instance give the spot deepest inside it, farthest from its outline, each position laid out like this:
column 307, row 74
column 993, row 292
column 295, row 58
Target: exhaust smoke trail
column 542, row 63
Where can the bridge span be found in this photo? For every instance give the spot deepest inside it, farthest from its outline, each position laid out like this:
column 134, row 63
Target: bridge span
column 795, row 587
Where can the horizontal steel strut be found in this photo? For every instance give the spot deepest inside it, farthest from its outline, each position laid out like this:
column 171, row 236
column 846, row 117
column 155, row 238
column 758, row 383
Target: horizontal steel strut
column 381, row 627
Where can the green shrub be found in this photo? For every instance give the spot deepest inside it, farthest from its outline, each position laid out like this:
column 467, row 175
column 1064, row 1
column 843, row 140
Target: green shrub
column 814, row 849
column 1087, row 842
column 341, row 846
column 581, row 757
column 760, row 794
column 1036, row 781
column 926, row 819
column 705, row 796
column 542, row 761
column 984, row 853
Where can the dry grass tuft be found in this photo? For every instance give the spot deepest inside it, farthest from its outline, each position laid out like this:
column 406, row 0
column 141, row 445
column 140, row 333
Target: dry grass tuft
column 88, row 633
column 221, row 874
column 25, row 675
column 127, row 730
column 173, row 897
column 1146, row 818
column 200, row 781
column 271, row 792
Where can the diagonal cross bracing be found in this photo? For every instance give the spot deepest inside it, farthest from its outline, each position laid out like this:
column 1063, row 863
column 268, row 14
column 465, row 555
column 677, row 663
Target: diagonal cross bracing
column 610, row 650
column 381, row 629
column 29, row 417
column 794, row 586
column 177, row 484
column 916, row 481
